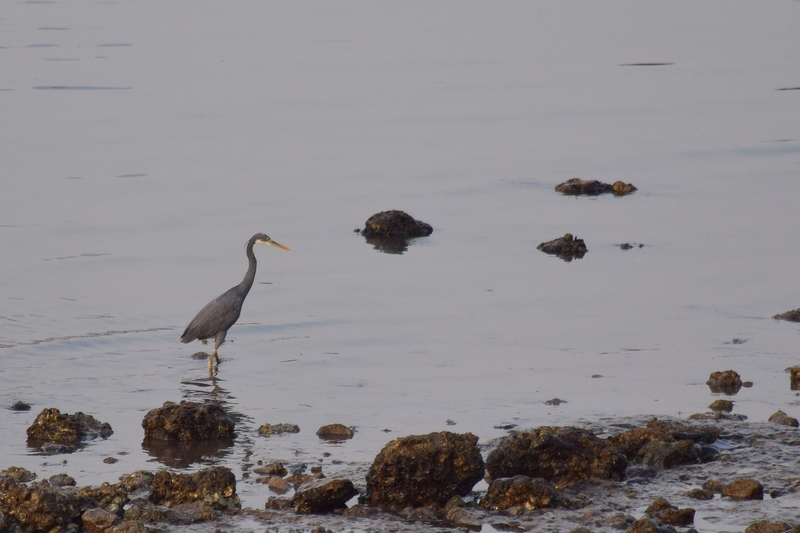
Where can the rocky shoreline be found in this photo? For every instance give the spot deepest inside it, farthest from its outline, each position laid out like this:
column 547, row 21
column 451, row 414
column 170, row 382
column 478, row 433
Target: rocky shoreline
column 717, row 473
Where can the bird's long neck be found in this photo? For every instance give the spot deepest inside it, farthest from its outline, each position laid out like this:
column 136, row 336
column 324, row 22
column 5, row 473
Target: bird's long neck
column 247, row 282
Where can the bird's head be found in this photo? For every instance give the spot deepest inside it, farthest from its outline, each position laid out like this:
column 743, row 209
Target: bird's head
column 261, row 238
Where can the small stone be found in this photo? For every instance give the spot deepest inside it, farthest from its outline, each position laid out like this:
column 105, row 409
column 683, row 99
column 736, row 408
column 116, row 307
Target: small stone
column 272, row 469
column 524, row 492
column 566, row 248
column 782, row 418
column 335, row 432
column 744, row 489
column 62, row 480
column 20, row 406
column 650, row 525
column 700, row 494
column 555, row 401
column 278, row 485
column 110, row 460
column 725, row 406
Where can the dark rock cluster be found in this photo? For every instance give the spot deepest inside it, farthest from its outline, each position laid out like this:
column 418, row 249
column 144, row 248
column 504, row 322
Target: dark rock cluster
column 53, row 427
column 576, row 186
column 188, row 421
column 391, row 231
column 566, row 247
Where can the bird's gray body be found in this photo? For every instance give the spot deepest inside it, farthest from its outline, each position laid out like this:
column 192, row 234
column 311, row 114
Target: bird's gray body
column 214, row 320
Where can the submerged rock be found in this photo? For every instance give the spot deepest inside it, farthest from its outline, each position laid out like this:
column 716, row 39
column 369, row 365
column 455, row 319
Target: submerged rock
column 323, row 495
column 97, row 520
column 335, row 432
column 277, row 429
column 663, row 444
column 215, row 486
column 390, row 231
column 524, row 492
column 51, row 426
column 725, row 382
column 765, row 526
column 563, row 456
column 424, row 469
column 566, row 247
column 782, row 418
column 650, row 524
column 576, row 186
column 188, row 421
column 791, row 316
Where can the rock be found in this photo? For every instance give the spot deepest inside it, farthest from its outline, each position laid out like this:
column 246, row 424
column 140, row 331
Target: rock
column 576, row 186
column 701, row 494
column 744, row 489
column 189, row 421
column 424, row 469
column 725, row 406
column 717, row 416
column 139, row 480
column 390, row 231
column 323, row 496
column 555, row 401
column 335, row 432
column 794, row 377
column 278, row 485
column 111, row 498
column 726, row 382
column 629, row 246
column 782, row 418
column 38, row 507
column 65, row 429
column 20, row 406
column 669, row 514
column 566, row 247
column 791, row 316
column 62, row 480
column 619, row 188
column 19, row 474
column 98, row 520
column 650, row 525
column 664, row 444
column 277, row 429
column 216, row 486
column 522, row 491
column 561, row 455
column 272, row 469
column 765, row 526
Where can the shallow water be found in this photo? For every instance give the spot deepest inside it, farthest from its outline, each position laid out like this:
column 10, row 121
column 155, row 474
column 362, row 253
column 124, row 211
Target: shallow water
column 142, row 144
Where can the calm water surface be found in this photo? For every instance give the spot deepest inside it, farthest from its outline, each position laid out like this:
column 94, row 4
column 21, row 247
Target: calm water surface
column 142, row 143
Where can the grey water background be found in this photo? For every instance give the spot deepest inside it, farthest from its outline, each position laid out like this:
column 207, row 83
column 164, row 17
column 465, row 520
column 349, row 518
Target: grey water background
column 143, row 143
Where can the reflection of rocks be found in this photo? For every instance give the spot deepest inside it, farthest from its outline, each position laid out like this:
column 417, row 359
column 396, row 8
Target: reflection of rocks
column 667, row 444
column 188, row 421
column 424, row 469
column 576, row 186
column 726, row 382
column 335, row 432
column 66, row 430
column 563, row 456
column 177, row 454
column 390, row 231
column 524, row 492
column 278, row 429
column 566, row 247
column 323, row 495
column 791, row 316
column 782, row 418
column 215, row 486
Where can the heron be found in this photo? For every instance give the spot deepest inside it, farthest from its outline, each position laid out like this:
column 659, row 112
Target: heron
column 216, row 318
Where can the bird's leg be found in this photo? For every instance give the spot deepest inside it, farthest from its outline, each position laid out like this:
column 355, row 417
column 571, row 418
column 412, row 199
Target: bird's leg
column 218, row 340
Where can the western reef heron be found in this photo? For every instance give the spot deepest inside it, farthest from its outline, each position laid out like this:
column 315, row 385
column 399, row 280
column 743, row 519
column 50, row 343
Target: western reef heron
column 221, row 313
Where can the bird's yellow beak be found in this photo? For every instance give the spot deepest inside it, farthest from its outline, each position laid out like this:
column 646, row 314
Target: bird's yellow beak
column 282, row 247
